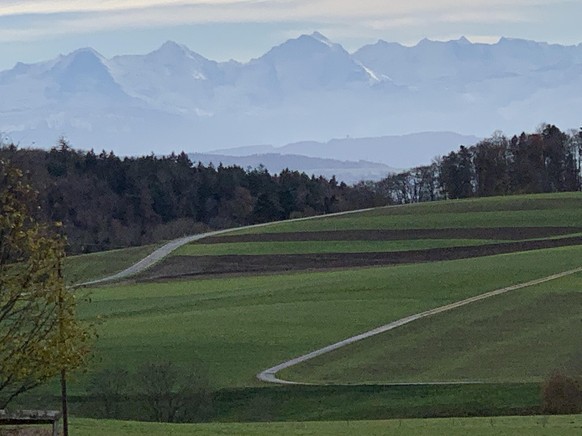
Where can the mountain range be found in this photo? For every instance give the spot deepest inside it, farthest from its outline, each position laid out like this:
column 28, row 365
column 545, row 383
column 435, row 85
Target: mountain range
column 355, row 158
column 349, row 172
column 400, row 151
column 307, row 88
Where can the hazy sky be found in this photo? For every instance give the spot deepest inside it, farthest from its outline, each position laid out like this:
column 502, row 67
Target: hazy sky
column 33, row 30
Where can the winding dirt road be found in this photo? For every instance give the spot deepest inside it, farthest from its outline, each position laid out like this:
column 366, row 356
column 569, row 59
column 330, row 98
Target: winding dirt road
column 270, row 375
column 166, row 249
column 149, row 260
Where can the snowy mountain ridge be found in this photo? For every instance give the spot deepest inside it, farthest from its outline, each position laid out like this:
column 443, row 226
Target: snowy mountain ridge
column 307, row 88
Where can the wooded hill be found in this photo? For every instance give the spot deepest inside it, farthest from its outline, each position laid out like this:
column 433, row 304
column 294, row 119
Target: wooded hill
column 546, row 161
column 107, row 202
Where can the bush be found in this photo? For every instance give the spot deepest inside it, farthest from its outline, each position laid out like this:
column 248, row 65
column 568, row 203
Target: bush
column 110, row 389
column 561, row 395
column 171, row 395
column 157, row 391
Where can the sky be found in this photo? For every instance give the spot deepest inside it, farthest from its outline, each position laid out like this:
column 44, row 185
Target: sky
column 35, row 30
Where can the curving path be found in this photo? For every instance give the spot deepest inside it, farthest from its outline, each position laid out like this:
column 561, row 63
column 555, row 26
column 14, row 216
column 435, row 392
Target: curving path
column 149, row 260
column 270, row 375
column 166, row 249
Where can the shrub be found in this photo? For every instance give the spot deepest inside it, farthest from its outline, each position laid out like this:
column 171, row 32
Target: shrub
column 561, row 394
column 170, row 394
column 109, row 388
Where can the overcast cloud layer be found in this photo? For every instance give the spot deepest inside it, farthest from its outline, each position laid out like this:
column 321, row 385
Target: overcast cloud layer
column 242, row 28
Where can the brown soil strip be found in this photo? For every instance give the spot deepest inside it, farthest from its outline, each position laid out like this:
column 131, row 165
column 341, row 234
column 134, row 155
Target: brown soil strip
column 502, row 233
column 242, row 264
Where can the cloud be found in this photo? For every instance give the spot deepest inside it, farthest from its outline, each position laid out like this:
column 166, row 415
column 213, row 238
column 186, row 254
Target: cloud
column 53, row 17
column 18, row 7
column 280, row 10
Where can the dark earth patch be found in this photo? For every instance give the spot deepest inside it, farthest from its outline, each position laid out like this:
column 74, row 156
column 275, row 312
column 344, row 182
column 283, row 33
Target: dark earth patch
column 177, row 266
column 501, row 233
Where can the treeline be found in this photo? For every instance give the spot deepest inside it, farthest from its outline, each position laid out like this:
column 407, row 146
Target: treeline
column 105, row 201
column 546, row 161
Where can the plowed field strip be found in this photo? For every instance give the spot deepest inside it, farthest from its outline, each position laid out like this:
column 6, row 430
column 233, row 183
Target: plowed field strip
column 201, row 265
column 502, row 233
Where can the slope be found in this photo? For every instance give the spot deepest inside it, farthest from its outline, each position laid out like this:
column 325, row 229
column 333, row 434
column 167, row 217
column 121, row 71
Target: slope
column 518, row 337
column 238, row 325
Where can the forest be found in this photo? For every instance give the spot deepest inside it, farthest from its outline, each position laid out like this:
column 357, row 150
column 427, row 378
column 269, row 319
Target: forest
column 105, row 201
column 548, row 160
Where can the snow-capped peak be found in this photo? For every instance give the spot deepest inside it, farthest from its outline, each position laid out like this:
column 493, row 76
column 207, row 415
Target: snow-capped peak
column 87, row 56
column 82, row 62
column 322, row 38
column 171, row 48
column 171, row 51
column 303, row 46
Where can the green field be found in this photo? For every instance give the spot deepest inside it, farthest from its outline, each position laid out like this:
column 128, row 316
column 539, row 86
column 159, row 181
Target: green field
column 542, row 210
column 305, row 247
column 517, row 337
column 330, row 402
column 237, row 325
column 240, row 325
column 82, row 268
column 532, row 425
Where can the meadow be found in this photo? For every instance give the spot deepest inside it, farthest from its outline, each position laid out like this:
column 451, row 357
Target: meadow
column 521, row 336
column 82, row 268
column 240, row 325
column 235, row 325
column 563, row 209
column 526, row 426
column 305, row 247
column 416, row 233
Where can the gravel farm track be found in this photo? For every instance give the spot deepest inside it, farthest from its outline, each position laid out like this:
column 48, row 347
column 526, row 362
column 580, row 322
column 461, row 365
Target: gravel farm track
column 161, row 253
column 270, row 375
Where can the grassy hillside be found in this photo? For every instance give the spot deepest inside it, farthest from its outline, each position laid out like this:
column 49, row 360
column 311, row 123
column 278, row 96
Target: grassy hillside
column 304, row 247
column 415, row 233
column 517, row 337
column 240, row 325
column 239, row 322
column 526, row 426
column 82, row 268
column 564, row 209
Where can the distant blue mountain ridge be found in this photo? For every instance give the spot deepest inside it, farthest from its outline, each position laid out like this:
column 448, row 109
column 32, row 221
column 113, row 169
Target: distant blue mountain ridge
column 304, row 92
